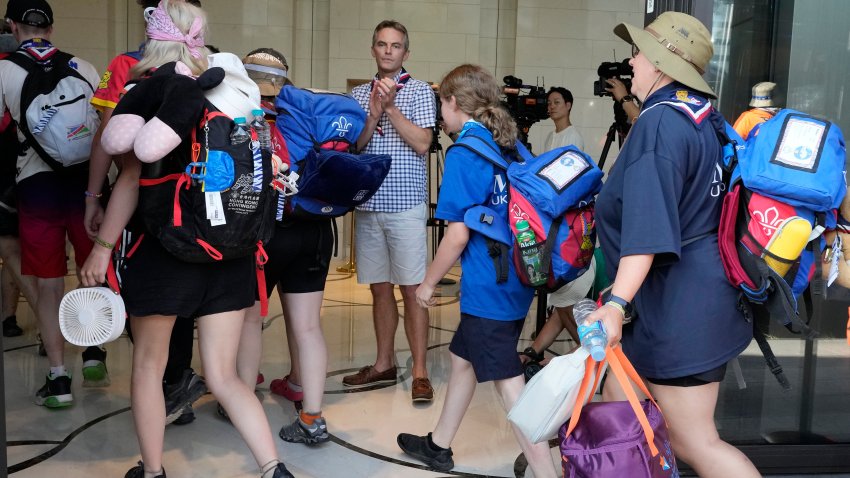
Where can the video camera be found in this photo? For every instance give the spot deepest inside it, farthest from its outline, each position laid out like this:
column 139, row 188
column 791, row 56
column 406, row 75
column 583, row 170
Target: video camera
column 611, row 69
column 526, row 109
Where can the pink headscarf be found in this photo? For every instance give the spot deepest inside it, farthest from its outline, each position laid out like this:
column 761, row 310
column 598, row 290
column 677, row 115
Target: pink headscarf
column 161, row 27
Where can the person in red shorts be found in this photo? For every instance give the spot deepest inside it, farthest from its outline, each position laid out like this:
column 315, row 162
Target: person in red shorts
column 50, row 202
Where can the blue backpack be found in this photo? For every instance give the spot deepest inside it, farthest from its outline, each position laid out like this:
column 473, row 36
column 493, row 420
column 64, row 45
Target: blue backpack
column 320, row 130
column 784, row 186
column 554, row 192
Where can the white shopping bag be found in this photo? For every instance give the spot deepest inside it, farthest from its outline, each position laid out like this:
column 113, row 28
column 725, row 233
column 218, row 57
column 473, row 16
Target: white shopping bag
column 548, row 399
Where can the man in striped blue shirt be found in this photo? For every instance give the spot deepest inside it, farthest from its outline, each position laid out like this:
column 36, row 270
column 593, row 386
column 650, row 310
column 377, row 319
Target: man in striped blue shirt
column 390, row 227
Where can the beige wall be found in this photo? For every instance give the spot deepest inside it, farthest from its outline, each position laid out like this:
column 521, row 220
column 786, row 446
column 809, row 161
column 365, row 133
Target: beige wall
column 546, row 42
column 327, row 41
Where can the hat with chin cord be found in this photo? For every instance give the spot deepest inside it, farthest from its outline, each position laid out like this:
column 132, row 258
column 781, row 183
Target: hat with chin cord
column 677, row 44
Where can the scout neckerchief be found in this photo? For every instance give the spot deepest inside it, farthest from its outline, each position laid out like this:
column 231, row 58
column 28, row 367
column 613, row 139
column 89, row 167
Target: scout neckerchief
column 400, row 79
column 40, row 50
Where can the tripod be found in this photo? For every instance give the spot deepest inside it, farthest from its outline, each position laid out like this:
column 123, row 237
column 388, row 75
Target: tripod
column 620, row 128
column 436, row 164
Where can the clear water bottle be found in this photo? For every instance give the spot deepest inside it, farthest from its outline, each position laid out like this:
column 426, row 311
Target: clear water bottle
column 264, row 134
column 530, row 252
column 593, row 337
column 240, row 132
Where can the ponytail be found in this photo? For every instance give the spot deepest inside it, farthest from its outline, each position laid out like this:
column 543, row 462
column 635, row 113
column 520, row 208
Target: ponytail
column 499, row 122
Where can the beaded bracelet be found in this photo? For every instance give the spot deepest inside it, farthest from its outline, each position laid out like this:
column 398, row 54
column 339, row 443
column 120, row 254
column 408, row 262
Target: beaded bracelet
column 100, row 242
column 93, row 195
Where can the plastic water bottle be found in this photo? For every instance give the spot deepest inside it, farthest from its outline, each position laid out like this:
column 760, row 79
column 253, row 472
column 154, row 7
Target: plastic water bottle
column 240, row 132
column 530, row 252
column 593, row 337
column 264, row 134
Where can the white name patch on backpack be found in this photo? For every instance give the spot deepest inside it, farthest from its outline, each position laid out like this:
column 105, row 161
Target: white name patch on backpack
column 215, row 209
column 564, row 169
column 799, row 146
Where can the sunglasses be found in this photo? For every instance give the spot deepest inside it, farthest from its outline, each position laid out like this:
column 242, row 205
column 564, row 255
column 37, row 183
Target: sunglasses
column 635, row 50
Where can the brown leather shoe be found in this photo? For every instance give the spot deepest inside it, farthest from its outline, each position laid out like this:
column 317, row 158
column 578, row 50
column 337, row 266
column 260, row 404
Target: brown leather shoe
column 368, row 375
column 421, row 390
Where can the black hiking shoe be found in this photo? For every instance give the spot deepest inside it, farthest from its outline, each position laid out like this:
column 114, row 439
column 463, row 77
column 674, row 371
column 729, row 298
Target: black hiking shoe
column 419, row 448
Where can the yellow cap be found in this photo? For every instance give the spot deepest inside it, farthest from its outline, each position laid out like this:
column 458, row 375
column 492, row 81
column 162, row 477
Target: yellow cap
column 787, row 243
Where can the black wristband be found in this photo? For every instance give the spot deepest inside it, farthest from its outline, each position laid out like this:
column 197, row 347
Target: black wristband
column 626, row 98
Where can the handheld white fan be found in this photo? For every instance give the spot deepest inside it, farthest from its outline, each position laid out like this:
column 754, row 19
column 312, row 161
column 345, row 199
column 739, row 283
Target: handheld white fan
column 91, row 316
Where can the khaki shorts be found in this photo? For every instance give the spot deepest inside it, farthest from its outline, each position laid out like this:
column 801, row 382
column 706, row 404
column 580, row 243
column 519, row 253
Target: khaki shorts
column 576, row 290
column 391, row 246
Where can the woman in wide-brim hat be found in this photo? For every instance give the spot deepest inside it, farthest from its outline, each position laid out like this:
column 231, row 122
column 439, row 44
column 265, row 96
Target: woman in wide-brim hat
column 657, row 217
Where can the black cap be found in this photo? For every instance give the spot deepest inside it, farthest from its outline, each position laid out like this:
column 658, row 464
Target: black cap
column 35, row 13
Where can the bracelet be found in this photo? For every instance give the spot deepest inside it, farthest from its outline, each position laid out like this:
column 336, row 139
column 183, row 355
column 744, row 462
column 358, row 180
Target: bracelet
column 93, row 195
column 100, row 242
column 617, row 306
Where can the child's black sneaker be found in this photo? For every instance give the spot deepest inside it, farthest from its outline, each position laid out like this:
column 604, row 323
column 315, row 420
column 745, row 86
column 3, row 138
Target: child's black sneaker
column 94, row 367
column 56, row 393
column 11, row 328
column 280, row 471
column 138, row 471
column 419, row 447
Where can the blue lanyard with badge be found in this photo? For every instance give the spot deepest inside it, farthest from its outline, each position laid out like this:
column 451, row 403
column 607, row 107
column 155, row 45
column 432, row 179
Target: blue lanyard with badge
column 471, row 123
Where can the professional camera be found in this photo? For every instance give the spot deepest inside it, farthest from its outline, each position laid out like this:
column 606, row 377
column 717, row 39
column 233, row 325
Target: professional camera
column 525, row 108
column 611, row 69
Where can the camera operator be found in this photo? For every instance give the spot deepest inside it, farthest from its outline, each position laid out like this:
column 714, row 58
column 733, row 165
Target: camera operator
column 560, row 104
column 621, row 95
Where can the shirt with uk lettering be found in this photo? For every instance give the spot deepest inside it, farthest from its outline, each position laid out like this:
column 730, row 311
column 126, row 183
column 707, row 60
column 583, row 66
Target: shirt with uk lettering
column 470, row 180
column 665, row 189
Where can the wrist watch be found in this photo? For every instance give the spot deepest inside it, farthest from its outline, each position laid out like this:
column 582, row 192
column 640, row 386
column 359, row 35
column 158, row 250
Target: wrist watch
column 626, row 305
column 626, row 98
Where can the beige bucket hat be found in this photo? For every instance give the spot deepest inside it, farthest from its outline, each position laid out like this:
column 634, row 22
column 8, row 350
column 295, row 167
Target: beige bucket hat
column 762, row 95
column 677, row 44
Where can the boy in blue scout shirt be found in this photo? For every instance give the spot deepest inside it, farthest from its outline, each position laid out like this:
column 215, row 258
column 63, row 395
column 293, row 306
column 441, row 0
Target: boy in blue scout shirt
column 492, row 314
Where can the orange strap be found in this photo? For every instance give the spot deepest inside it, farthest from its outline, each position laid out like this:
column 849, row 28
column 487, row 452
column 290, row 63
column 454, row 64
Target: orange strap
column 623, row 372
column 209, row 249
column 111, row 277
column 262, row 258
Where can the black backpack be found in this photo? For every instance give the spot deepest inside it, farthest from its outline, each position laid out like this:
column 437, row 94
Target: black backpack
column 210, row 200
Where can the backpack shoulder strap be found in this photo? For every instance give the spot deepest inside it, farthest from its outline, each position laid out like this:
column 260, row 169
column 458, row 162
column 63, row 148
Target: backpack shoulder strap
column 61, row 61
column 482, row 147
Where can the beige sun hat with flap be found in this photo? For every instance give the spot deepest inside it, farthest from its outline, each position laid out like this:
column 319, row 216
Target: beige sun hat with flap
column 762, row 96
column 677, row 44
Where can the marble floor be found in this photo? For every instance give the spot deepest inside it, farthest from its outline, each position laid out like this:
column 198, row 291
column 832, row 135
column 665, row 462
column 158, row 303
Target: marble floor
column 95, row 437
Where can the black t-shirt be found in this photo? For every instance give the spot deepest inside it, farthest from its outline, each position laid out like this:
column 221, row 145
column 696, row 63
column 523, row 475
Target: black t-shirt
column 665, row 189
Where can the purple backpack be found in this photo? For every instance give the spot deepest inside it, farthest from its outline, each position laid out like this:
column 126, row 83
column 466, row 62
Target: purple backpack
column 623, row 439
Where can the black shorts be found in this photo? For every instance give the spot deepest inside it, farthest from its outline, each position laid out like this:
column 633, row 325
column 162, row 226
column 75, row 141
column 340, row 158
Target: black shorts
column 299, row 256
column 489, row 345
column 154, row 282
column 695, row 380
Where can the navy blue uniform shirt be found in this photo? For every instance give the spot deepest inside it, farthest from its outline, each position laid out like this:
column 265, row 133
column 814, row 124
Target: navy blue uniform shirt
column 664, row 189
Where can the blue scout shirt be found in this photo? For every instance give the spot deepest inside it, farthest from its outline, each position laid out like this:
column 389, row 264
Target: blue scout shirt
column 470, row 180
column 664, row 189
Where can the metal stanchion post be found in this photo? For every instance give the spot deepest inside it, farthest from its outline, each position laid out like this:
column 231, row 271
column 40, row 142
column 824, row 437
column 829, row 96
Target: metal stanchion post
column 351, row 266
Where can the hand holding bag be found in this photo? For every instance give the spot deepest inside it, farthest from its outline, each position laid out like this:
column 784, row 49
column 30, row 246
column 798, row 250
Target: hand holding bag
column 547, row 400
column 622, row 439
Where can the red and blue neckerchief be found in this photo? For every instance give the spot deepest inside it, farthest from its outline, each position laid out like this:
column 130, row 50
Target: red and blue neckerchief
column 400, row 79
column 39, row 49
